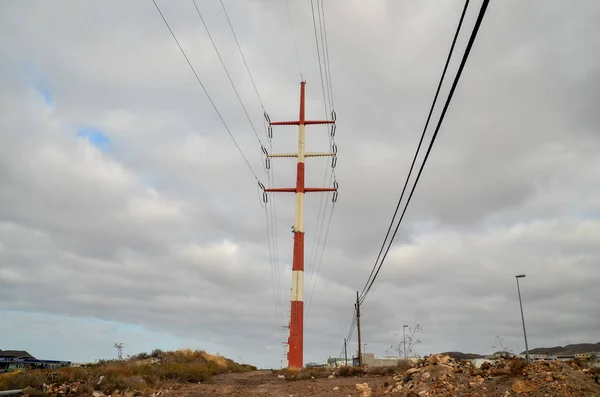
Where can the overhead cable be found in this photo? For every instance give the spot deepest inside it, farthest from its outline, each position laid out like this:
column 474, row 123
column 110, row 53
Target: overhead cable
column 437, row 92
column 206, row 92
column 242, row 54
column 227, row 73
column 441, row 119
column 294, row 39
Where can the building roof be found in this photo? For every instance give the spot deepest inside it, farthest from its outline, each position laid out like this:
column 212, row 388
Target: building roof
column 15, row 353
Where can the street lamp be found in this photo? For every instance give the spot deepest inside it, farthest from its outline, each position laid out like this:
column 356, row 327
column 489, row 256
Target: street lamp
column 518, row 276
column 404, row 337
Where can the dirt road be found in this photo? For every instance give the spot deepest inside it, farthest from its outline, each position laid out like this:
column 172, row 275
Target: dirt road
column 266, row 384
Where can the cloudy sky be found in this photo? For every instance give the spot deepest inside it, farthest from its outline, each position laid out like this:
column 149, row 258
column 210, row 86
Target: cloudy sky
column 128, row 215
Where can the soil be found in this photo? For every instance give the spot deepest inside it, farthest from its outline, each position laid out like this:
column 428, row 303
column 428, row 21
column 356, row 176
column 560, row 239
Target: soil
column 267, row 384
column 435, row 376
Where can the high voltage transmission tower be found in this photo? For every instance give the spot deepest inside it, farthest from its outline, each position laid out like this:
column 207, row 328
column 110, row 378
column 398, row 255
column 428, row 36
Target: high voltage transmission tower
column 296, row 325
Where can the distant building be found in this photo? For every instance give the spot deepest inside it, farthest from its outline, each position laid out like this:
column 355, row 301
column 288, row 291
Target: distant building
column 17, row 359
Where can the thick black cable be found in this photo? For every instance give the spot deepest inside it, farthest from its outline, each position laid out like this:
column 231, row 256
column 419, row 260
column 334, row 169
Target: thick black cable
column 206, row 92
column 437, row 92
column 482, row 11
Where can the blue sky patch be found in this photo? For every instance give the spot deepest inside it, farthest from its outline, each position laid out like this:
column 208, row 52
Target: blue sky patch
column 45, row 93
column 94, row 136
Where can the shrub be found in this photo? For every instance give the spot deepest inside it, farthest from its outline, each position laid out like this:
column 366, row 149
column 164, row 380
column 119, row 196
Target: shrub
column 403, row 365
column 385, row 371
column 351, row 371
column 157, row 353
column 21, row 380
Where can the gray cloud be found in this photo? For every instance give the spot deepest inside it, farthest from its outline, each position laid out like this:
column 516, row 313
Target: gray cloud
column 166, row 231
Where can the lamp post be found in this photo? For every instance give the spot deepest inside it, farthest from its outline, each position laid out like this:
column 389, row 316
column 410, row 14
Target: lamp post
column 404, row 338
column 518, row 276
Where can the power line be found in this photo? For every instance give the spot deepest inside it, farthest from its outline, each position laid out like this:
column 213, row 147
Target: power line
column 242, row 54
column 227, row 73
column 326, row 53
column 318, row 53
column 437, row 92
column 316, row 276
column 273, row 274
column 325, row 84
column 482, row 11
column 294, row 39
column 206, row 92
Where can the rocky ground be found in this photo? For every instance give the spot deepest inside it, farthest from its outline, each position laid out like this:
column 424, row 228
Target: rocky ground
column 434, row 376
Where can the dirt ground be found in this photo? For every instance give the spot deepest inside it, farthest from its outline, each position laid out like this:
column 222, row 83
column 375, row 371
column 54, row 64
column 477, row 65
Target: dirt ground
column 436, row 376
column 267, row 384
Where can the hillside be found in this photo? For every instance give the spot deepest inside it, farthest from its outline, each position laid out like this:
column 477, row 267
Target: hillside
column 576, row 348
column 141, row 373
column 463, row 356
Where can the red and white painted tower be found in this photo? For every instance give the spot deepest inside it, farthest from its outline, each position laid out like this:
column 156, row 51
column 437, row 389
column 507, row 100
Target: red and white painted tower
column 296, row 326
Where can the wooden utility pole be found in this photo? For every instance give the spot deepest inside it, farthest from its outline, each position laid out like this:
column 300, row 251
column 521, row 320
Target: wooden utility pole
column 357, row 304
column 296, row 326
column 345, row 352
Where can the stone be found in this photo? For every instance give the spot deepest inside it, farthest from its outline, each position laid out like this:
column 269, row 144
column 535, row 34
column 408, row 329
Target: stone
column 336, row 388
column 364, row 390
column 97, row 394
column 425, row 375
column 445, row 360
column 411, row 371
column 549, row 378
column 520, row 386
column 331, row 376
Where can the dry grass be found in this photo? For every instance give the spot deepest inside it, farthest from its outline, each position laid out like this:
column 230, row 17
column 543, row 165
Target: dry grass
column 179, row 366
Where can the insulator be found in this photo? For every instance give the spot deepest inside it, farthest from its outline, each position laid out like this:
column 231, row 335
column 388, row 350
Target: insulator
column 265, row 197
column 267, row 118
column 333, row 115
column 264, row 149
column 333, row 161
column 332, row 130
column 261, row 186
column 268, row 163
column 334, row 148
column 270, row 132
column 335, row 185
column 335, row 197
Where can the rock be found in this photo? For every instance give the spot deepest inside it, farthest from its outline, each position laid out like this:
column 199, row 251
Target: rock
column 364, row 390
column 100, row 380
column 446, row 360
column 520, row 386
column 331, row 376
column 336, row 388
column 97, row 394
column 411, row 371
column 425, row 375
column 280, row 376
column 549, row 378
